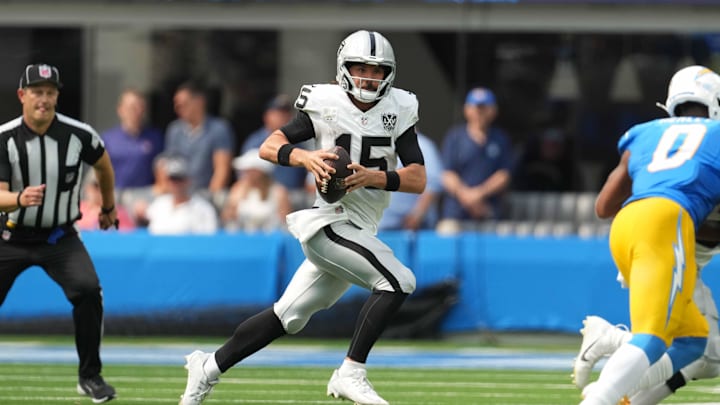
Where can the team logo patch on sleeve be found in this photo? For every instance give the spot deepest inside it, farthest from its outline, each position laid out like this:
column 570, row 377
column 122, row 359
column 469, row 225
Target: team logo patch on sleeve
column 389, row 121
column 329, row 114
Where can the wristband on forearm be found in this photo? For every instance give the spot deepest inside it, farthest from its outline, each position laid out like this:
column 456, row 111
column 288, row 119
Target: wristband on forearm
column 392, row 181
column 19, row 204
column 106, row 211
column 283, row 155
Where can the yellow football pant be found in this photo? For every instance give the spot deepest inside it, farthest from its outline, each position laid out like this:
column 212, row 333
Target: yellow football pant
column 652, row 242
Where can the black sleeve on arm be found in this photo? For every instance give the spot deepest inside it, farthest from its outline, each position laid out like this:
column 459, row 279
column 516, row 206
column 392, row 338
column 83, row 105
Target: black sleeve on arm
column 299, row 129
column 4, row 161
column 408, row 148
column 91, row 150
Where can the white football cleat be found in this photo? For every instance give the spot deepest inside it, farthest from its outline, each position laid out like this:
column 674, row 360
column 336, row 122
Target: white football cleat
column 600, row 338
column 354, row 387
column 199, row 386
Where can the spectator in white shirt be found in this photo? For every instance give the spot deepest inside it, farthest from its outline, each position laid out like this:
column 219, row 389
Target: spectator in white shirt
column 180, row 212
column 256, row 202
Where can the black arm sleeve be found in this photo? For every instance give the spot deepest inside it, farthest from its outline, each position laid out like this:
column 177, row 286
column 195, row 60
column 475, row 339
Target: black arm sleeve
column 299, row 129
column 408, row 148
column 4, row 160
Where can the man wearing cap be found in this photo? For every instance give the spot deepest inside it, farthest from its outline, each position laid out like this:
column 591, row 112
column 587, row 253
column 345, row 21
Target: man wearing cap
column 42, row 154
column 180, row 211
column 478, row 161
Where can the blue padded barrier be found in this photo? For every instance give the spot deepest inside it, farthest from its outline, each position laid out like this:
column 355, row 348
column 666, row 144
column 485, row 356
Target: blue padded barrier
column 34, row 294
column 436, row 260
column 235, row 269
column 547, row 284
column 506, row 283
column 470, row 313
column 143, row 274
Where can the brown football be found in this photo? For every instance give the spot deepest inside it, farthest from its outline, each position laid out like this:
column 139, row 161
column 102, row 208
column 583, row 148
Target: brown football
column 333, row 189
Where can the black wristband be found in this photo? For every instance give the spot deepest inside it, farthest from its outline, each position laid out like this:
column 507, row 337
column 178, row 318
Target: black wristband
column 19, row 204
column 392, row 181
column 283, row 155
column 106, row 211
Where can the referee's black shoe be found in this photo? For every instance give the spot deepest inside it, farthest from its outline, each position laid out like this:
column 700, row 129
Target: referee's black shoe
column 96, row 388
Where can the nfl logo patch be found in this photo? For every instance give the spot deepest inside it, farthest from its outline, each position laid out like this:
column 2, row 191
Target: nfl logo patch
column 45, row 71
column 329, row 114
column 389, row 121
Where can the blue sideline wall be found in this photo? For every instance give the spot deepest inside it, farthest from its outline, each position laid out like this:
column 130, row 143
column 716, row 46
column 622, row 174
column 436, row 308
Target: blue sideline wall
column 506, row 283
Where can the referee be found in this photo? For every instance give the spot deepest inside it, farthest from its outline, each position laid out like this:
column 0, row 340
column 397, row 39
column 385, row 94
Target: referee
column 41, row 158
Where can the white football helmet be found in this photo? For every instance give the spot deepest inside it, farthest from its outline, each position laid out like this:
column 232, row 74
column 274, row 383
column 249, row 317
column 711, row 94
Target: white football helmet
column 694, row 84
column 368, row 47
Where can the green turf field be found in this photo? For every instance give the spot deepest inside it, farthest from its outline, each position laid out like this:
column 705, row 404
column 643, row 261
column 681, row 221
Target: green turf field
column 24, row 384
column 37, row 384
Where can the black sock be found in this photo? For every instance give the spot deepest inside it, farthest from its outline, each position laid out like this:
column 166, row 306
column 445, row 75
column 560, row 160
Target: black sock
column 379, row 308
column 250, row 336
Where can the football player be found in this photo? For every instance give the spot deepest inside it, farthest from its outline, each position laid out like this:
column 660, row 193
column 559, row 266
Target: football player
column 600, row 339
column 665, row 185
column 375, row 123
column 666, row 180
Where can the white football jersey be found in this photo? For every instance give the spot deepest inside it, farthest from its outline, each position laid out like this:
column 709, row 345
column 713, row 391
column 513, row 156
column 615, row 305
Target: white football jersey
column 368, row 136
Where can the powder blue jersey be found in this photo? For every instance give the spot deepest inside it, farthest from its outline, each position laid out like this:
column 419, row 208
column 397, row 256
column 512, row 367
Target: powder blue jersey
column 677, row 158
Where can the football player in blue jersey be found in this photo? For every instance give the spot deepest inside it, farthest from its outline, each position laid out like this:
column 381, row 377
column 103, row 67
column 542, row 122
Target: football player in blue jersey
column 667, row 182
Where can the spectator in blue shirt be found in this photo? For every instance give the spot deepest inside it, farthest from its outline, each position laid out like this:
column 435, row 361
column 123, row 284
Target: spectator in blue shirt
column 478, row 160
column 132, row 145
column 411, row 211
column 206, row 142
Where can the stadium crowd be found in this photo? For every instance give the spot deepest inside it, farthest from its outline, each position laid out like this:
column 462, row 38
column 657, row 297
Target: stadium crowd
column 471, row 171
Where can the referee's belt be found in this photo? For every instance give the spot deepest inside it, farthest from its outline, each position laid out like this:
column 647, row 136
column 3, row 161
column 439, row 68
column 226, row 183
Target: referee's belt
column 29, row 234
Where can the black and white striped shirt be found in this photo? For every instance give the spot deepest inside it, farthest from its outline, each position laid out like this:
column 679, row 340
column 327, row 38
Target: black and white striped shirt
column 54, row 159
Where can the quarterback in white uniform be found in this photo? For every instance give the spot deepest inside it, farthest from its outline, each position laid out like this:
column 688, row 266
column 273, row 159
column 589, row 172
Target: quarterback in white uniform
column 375, row 123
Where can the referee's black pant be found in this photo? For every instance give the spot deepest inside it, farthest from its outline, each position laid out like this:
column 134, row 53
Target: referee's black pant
column 67, row 262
